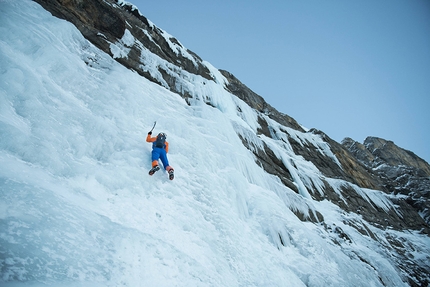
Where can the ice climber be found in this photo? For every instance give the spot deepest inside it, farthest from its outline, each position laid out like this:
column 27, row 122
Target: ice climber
column 160, row 148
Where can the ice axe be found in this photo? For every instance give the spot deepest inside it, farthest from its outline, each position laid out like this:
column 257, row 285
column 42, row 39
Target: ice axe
column 153, row 127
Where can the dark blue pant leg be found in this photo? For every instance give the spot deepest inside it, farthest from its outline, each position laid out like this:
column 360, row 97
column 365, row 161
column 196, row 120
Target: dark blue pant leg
column 155, row 154
column 163, row 157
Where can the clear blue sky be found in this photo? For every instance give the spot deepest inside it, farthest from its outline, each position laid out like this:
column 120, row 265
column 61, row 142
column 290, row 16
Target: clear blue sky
column 349, row 68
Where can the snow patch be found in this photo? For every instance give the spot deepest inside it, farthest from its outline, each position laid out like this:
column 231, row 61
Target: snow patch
column 121, row 48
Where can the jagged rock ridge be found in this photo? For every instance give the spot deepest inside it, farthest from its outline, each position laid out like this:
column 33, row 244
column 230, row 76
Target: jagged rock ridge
column 400, row 171
column 121, row 31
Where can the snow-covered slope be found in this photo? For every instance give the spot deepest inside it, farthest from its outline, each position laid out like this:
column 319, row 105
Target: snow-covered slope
column 77, row 207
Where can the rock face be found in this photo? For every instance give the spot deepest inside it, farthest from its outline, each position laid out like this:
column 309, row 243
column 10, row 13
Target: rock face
column 349, row 175
column 256, row 102
column 399, row 171
column 109, row 25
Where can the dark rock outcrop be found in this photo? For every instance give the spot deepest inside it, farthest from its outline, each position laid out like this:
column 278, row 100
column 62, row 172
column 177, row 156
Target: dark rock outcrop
column 400, row 172
column 105, row 22
column 256, row 102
